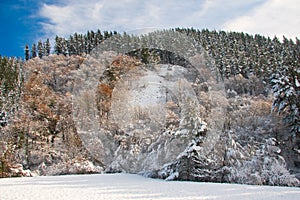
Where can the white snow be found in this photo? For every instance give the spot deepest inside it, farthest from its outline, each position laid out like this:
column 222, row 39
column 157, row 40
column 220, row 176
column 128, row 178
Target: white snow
column 129, row 186
column 297, row 82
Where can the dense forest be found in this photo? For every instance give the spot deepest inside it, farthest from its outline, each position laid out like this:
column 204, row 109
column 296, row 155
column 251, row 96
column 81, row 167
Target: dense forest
column 36, row 101
column 274, row 63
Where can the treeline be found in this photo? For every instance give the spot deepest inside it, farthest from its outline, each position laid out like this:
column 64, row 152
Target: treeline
column 76, row 44
column 233, row 53
column 40, row 50
column 241, row 53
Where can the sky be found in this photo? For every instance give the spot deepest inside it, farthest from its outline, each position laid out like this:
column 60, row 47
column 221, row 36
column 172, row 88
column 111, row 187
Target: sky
column 28, row 21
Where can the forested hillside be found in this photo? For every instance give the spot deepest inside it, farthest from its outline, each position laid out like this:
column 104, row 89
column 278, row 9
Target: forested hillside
column 259, row 142
column 274, row 63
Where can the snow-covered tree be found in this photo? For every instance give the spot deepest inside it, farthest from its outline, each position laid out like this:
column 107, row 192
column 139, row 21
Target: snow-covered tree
column 47, row 47
column 10, row 87
column 71, row 46
column 40, row 49
column 286, row 88
column 58, row 45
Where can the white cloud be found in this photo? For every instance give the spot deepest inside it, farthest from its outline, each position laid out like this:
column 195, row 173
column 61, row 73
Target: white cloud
column 71, row 16
column 274, row 17
column 67, row 19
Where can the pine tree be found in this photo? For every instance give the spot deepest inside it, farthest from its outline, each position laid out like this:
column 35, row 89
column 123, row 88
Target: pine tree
column 47, row 47
column 58, row 45
column 27, row 54
column 33, row 51
column 82, row 44
column 71, row 46
column 106, row 35
column 99, row 36
column 40, row 49
column 64, row 46
column 286, row 88
column 10, row 87
column 92, row 40
column 76, row 43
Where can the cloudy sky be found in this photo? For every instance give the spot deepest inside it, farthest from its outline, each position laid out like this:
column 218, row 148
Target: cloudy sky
column 27, row 21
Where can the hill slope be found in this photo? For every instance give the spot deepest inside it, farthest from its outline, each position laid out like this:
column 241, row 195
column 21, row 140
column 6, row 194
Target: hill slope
column 153, row 108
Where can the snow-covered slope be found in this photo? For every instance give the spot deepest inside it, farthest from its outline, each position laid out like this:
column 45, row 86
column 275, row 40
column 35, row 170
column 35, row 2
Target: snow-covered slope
column 127, row 186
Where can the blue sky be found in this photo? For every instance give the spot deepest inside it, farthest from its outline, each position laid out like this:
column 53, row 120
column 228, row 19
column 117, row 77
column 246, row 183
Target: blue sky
column 19, row 25
column 27, row 21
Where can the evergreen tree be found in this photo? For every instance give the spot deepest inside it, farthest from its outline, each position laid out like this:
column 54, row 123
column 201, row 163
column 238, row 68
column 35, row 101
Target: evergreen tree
column 64, row 46
column 33, row 51
column 106, row 35
column 92, row 40
column 71, row 46
column 76, row 44
column 47, row 47
column 40, row 49
column 27, row 54
column 87, row 40
column 286, row 88
column 99, row 36
column 82, row 44
column 10, row 87
column 58, row 45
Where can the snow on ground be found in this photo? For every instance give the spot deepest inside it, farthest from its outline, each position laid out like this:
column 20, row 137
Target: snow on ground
column 129, row 186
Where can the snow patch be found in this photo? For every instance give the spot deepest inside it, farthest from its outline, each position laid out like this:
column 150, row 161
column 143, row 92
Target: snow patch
column 128, row 186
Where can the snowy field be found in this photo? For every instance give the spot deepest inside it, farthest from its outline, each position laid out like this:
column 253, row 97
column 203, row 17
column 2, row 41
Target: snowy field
column 127, row 186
